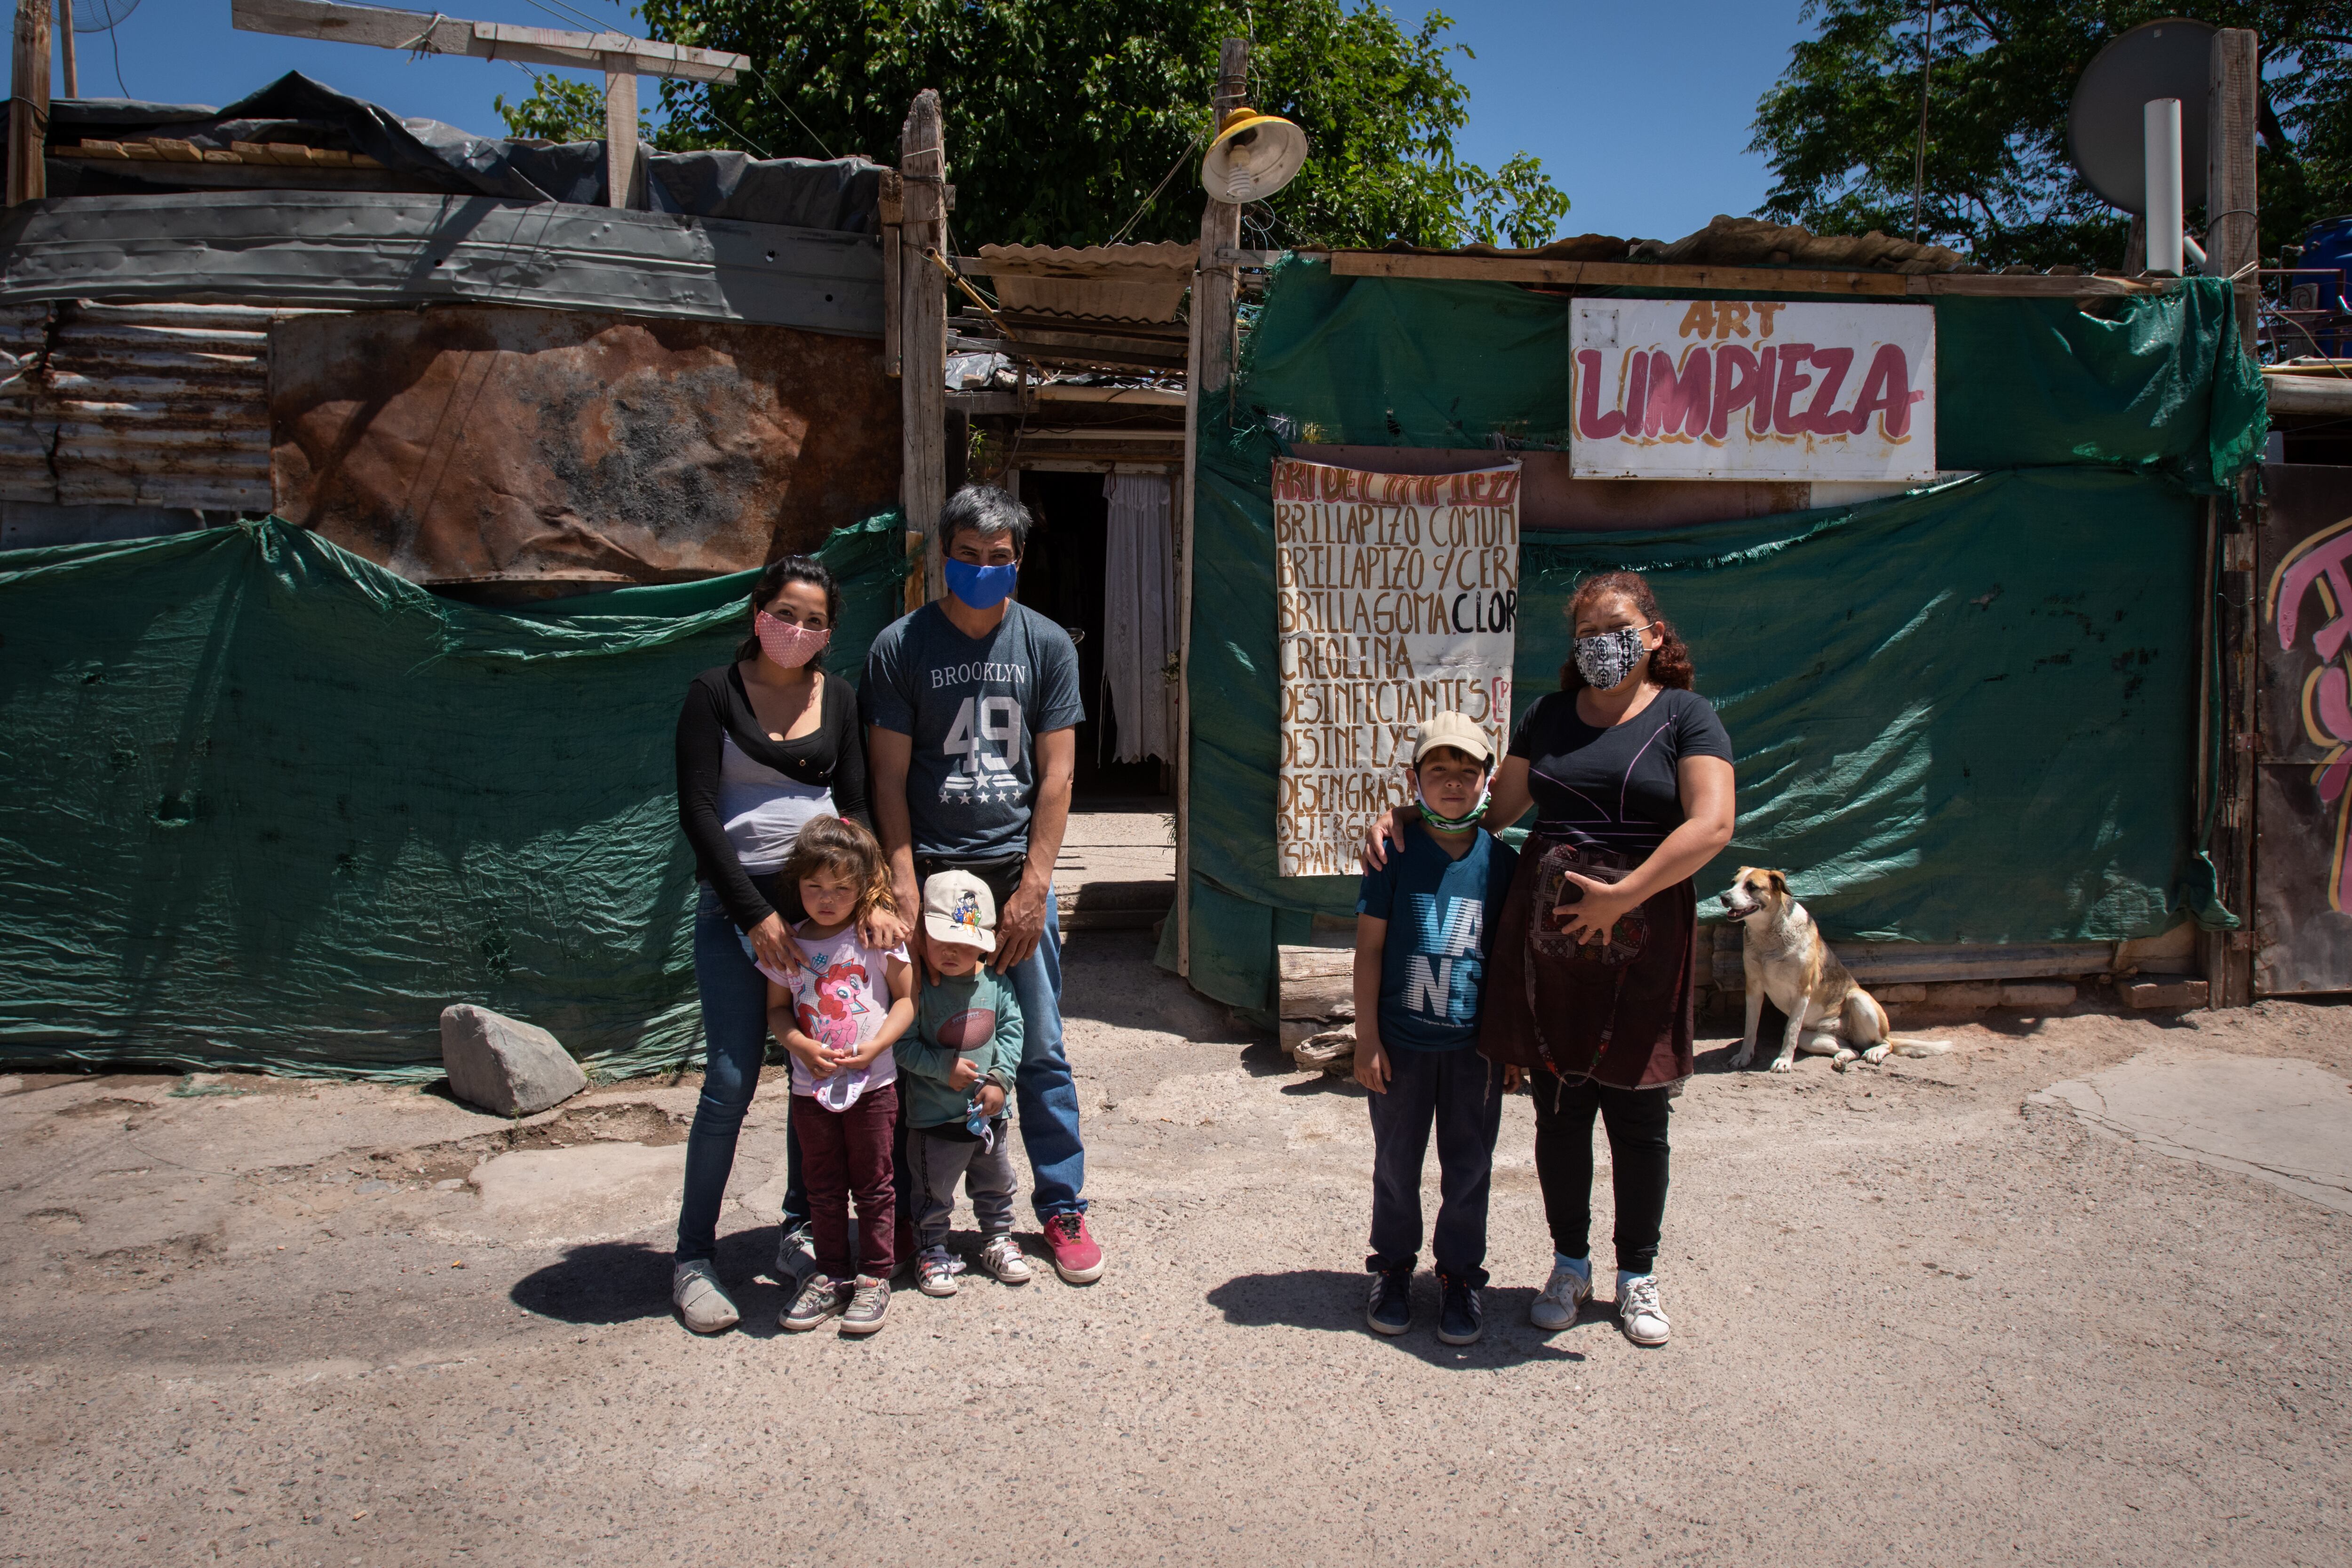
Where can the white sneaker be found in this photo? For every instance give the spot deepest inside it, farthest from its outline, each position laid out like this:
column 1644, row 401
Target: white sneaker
column 1638, row 1311
column 1568, row 1289
column 795, row 1257
column 1002, row 1259
column 694, row 1290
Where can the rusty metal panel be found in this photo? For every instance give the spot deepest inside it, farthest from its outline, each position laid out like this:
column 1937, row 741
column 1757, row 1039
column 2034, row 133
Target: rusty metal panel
column 2302, row 851
column 1116, row 283
column 25, row 435
column 160, row 405
column 483, row 444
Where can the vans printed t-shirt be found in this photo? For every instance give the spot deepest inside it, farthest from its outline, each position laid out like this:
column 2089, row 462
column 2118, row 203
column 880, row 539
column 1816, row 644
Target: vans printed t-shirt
column 1433, row 964
column 972, row 708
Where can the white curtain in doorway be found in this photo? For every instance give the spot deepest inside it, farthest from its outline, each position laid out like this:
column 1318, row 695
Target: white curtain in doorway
column 1140, row 616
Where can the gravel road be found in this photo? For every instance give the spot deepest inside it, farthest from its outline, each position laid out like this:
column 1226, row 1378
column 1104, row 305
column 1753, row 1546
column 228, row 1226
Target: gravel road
column 1915, row 1319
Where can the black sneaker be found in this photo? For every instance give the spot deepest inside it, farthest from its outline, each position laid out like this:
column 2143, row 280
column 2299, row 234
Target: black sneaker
column 1460, row 1318
column 1391, row 1308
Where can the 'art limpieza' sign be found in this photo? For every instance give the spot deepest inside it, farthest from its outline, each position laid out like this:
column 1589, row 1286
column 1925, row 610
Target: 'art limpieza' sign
column 1732, row 389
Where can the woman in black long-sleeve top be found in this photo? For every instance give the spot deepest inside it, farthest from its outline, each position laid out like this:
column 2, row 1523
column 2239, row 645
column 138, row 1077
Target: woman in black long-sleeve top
column 764, row 745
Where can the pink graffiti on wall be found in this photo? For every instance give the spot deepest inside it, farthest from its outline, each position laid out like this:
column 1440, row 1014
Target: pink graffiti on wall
column 2321, row 567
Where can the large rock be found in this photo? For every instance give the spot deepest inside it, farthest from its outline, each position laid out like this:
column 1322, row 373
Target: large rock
column 504, row 1065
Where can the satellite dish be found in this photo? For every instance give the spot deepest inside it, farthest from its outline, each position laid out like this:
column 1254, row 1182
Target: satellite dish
column 2105, row 126
column 1253, row 156
column 101, row 15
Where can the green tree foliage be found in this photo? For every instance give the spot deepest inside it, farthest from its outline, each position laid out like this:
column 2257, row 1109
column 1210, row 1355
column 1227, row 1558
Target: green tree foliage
column 1841, row 124
column 1062, row 119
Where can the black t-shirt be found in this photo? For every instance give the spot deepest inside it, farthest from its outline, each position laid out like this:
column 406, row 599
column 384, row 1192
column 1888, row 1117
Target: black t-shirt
column 1618, row 788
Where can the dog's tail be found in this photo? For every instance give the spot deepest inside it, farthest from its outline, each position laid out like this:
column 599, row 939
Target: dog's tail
column 1907, row 1047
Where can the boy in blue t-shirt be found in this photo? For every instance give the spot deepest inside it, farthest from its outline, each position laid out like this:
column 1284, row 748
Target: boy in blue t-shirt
column 1421, row 922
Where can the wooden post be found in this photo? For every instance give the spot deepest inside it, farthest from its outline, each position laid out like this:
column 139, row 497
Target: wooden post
column 65, row 48
column 28, row 105
column 923, row 327
column 889, row 210
column 2232, row 245
column 2232, row 237
column 1209, row 367
column 625, row 162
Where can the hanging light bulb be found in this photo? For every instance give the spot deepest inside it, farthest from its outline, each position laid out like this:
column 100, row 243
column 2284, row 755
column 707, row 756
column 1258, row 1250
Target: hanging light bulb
column 1253, row 156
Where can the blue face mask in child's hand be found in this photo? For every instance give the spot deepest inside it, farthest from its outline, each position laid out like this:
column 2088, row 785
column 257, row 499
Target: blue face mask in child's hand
column 979, row 1126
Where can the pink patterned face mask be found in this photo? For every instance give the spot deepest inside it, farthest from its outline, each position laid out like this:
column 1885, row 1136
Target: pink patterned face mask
column 787, row 644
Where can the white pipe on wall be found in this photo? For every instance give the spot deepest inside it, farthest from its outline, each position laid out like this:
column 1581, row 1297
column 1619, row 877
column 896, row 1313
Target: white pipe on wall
column 2160, row 144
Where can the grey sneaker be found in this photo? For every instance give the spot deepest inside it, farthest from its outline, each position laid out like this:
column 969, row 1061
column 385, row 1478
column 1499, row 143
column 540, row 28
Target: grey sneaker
column 1002, row 1257
column 795, row 1258
column 821, row 1297
column 1568, row 1289
column 1638, row 1311
column 695, row 1291
column 935, row 1272
column 867, row 1307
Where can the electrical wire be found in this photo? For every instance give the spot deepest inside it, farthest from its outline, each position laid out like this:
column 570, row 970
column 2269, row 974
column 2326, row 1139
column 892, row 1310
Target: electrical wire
column 1180, row 159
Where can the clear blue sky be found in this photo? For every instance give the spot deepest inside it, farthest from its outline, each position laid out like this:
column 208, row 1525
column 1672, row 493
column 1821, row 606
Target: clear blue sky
column 1638, row 112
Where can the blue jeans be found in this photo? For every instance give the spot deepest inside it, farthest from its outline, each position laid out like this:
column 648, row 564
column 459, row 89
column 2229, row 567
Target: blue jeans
column 1460, row 1093
column 735, row 1032
column 1047, row 1097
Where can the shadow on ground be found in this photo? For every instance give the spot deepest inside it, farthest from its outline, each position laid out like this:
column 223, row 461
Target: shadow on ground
column 1332, row 1302
column 610, row 1283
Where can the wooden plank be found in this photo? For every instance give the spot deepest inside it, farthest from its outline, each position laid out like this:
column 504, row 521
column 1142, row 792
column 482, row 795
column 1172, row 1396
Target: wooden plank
column 1316, row 982
column 624, row 163
column 28, row 105
column 435, row 33
column 1737, row 279
column 1914, row 963
column 923, row 328
column 2232, row 237
column 2327, row 395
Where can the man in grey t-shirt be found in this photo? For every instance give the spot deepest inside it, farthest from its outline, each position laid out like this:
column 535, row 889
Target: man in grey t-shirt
column 972, row 706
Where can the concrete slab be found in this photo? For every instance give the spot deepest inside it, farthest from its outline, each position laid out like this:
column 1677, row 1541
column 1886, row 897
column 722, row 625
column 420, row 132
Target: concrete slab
column 2285, row 1123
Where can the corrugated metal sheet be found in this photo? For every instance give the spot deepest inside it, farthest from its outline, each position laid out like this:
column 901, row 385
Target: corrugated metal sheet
column 1099, row 282
column 161, row 405
column 151, row 406
column 331, row 248
column 24, row 436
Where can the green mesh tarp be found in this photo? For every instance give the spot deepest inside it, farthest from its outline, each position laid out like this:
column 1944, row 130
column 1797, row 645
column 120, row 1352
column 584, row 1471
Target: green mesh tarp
column 2156, row 383
column 265, row 805
column 1966, row 714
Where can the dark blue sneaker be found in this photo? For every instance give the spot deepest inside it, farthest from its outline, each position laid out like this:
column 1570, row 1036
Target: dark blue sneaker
column 1460, row 1318
column 1391, row 1309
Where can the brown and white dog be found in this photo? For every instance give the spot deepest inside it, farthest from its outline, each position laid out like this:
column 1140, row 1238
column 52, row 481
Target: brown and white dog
column 1786, row 959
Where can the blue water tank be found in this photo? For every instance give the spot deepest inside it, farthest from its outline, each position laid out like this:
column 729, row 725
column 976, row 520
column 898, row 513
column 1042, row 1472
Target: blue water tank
column 2325, row 244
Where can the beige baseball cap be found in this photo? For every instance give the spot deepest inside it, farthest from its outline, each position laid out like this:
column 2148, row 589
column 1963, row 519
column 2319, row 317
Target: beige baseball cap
column 1458, row 730
column 959, row 908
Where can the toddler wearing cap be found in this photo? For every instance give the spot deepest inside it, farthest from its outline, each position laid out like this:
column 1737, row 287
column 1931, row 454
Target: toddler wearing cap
column 957, row 1065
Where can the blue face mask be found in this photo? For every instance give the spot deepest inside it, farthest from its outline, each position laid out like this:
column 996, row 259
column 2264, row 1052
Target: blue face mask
column 982, row 587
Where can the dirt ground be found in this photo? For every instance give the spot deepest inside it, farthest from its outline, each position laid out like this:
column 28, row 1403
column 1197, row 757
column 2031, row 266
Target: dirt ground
column 1916, row 1319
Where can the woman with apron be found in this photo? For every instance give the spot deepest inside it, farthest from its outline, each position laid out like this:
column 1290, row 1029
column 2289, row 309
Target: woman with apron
column 1588, row 968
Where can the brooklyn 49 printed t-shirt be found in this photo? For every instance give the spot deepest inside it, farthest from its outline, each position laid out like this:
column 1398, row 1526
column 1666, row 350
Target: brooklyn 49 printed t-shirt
column 1439, row 909
column 973, row 707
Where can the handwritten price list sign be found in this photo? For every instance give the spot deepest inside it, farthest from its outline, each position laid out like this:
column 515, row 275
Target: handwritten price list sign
column 1395, row 599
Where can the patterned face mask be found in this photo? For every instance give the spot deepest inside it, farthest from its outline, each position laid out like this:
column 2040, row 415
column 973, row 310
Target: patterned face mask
column 787, row 644
column 1606, row 659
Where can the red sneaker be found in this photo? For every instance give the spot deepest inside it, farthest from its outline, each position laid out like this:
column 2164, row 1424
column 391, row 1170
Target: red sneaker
column 1076, row 1258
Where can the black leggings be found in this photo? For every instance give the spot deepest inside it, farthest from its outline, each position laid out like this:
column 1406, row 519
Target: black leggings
column 1636, row 1121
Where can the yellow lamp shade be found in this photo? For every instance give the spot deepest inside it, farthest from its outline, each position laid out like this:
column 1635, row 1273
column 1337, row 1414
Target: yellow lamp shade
column 1253, row 156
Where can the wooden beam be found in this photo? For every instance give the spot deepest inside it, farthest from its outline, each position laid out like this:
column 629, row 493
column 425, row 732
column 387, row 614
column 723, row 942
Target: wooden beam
column 432, row 33
column 625, row 161
column 1734, row 279
column 1210, row 368
column 2232, row 237
column 2323, row 394
column 28, row 105
column 923, row 328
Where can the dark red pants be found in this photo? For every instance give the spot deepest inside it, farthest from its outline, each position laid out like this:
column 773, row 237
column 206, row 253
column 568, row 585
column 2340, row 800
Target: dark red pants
column 846, row 1154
